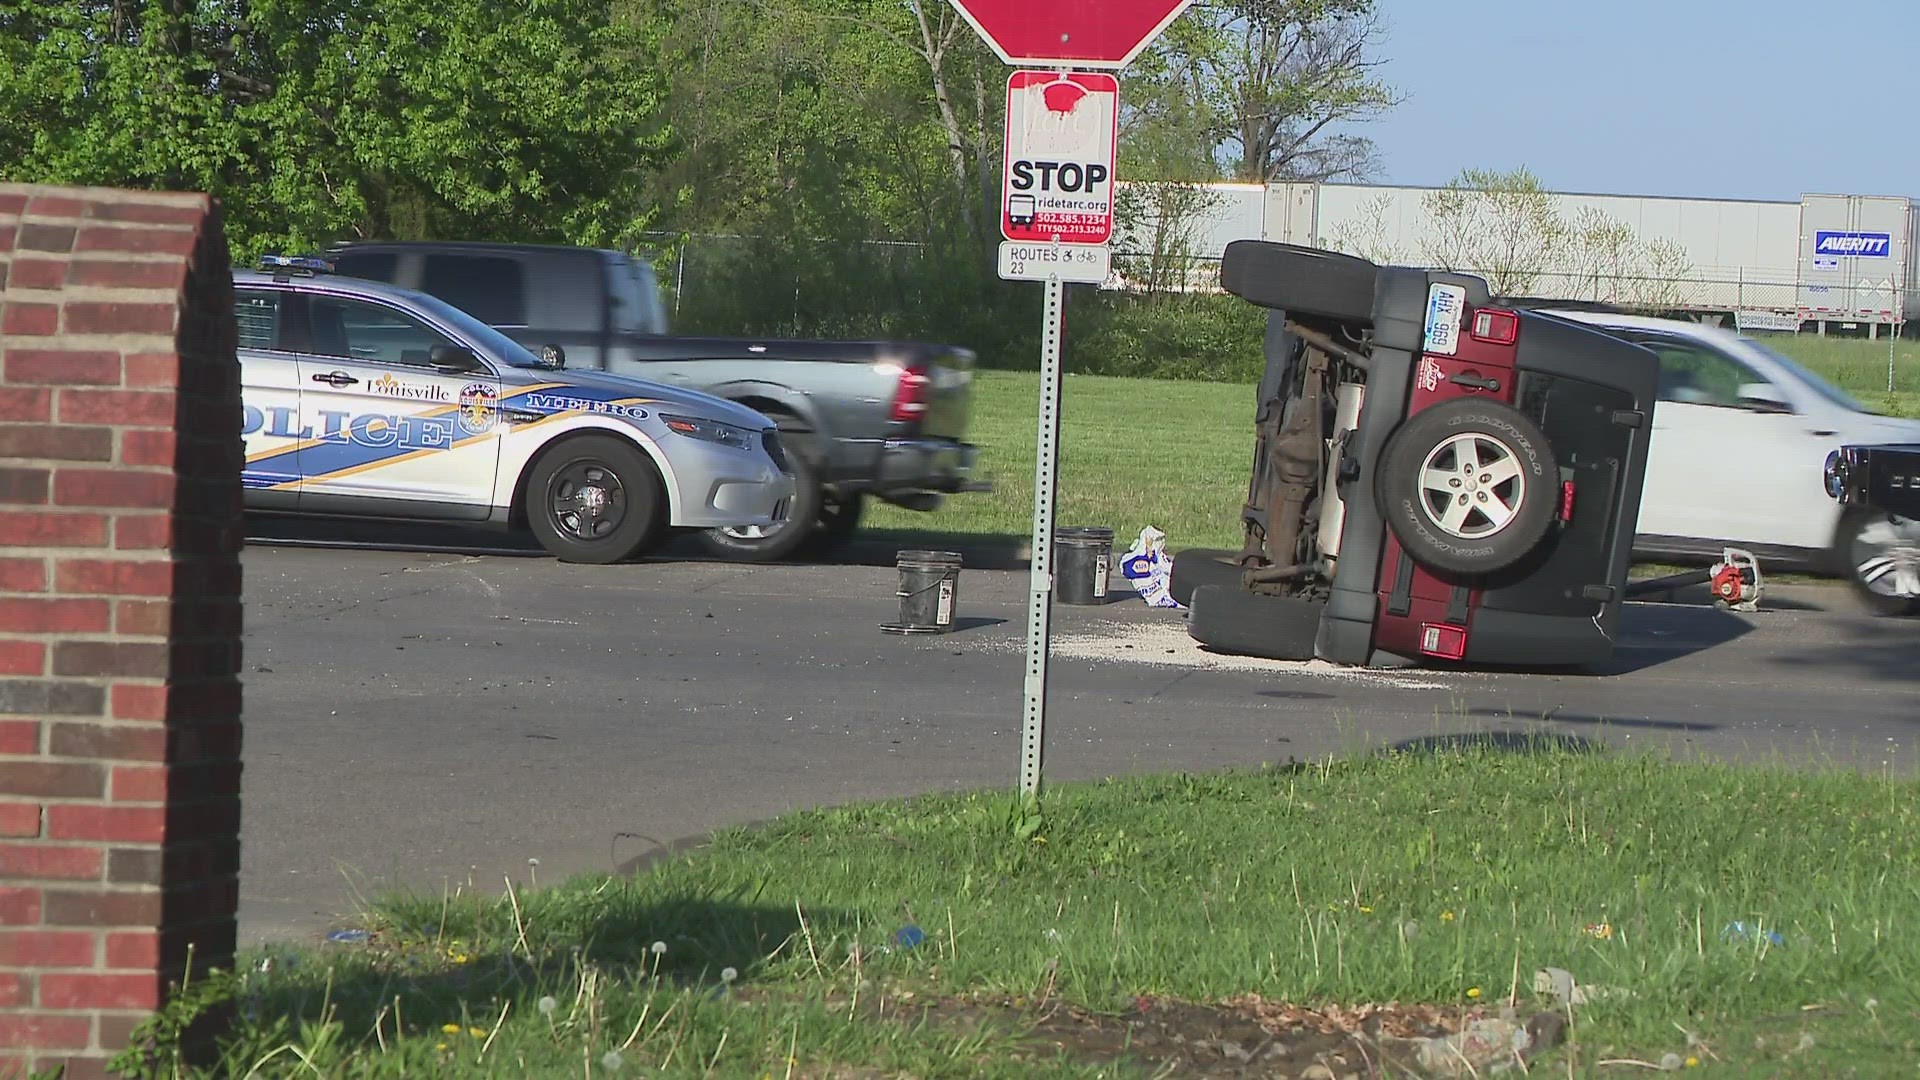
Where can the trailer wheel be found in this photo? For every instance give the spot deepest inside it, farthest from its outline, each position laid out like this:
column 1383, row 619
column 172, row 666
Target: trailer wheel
column 1195, row 567
column 1299, row 280
column 1468, row 486
column 1229, row 619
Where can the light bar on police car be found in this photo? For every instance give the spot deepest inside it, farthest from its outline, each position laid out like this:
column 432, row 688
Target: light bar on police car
column 296, row 263
column 710, row 431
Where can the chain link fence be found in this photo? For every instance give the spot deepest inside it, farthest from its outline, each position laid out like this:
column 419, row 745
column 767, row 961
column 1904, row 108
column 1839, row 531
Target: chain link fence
column 1159, row 315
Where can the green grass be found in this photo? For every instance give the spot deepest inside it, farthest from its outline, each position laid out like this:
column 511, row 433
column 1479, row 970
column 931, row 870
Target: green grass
column 1417, row 876
column 1177, row 454
column 1133, row 452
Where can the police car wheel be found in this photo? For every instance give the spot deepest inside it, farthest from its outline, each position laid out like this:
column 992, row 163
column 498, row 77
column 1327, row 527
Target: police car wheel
column 593, row 499
column 796, row 516
column 1468, row 486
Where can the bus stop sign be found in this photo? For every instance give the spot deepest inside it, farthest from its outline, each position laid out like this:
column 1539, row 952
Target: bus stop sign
column 1070, row 33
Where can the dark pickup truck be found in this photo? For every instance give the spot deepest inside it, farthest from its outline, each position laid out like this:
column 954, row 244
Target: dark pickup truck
column 860, row 419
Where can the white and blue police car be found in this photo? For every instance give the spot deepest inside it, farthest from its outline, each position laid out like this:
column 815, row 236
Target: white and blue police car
column 370, row 401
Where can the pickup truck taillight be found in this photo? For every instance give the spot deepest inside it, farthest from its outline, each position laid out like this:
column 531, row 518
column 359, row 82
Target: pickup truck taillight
column 910, row 396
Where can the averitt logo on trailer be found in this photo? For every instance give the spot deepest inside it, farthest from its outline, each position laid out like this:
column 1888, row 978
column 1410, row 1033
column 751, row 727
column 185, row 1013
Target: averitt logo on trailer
column 1865, row 245
column 1061, row 134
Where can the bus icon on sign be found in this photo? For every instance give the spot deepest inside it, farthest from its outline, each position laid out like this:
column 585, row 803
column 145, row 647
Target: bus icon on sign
column 1020, row 210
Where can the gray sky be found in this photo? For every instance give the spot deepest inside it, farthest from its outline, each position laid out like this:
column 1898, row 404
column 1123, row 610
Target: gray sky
column 1761, row 99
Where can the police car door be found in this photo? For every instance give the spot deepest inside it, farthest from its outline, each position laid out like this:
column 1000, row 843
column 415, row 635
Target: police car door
column 270, row 394
column 386, row 426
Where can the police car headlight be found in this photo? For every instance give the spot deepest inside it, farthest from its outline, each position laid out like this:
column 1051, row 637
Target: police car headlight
column 710, row 431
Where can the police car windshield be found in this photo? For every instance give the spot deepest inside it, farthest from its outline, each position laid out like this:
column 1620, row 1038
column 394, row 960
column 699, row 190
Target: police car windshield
column 493, row 341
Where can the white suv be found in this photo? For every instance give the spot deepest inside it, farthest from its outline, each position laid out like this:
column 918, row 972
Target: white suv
column 1741, row 435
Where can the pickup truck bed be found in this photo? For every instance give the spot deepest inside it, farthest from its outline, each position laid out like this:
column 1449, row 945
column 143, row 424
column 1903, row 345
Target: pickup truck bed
column 862, row 419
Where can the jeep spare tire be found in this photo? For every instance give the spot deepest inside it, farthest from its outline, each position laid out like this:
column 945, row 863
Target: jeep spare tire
column 1468, row 486
column 1298, row 280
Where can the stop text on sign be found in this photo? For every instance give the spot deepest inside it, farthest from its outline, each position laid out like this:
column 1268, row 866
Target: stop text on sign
column 1062, row 130
column 1058, row 175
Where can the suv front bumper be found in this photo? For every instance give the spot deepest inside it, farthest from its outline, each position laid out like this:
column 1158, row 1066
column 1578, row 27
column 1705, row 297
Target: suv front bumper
column 1883, row 477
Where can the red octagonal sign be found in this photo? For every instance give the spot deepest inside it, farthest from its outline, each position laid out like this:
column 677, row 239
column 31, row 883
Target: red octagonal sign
column 1080, row 33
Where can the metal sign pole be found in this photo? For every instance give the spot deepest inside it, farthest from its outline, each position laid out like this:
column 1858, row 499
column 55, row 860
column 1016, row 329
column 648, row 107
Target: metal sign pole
column 1040, row 600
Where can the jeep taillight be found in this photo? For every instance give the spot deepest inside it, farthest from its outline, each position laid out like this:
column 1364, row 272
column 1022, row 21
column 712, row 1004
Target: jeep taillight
column 1495, row 327
column 910, row 396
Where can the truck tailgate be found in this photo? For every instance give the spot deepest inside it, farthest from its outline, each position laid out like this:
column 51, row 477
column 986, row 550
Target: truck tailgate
column 949, row 394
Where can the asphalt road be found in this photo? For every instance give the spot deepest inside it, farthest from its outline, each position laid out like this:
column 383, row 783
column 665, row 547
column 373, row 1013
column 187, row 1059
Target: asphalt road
column 428, row 719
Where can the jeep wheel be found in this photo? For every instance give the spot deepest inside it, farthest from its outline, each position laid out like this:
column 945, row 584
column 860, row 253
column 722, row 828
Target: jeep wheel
column 1298, row 280
column 1229, row 619
column 1468, row 486
column 593, row 499
column 1195, row 567
column 1883, row 561
column 795, row 518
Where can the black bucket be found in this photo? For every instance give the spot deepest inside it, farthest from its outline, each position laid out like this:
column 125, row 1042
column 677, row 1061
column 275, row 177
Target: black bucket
column 929, row 590
column 1082, row 559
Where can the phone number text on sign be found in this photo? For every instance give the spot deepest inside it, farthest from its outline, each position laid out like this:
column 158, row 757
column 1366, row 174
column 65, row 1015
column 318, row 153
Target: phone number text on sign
column 1084, row 263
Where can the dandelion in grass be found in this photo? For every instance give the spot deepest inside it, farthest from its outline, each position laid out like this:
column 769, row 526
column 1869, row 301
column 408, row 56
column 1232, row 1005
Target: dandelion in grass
column 1692, row 1062
column 477, row 1032
column 1446, row 916
column 546, row 1005
column 442, row 1047
column 611, row 1061
column 1473, row 993
column 450, row 1029
column 1365, row 910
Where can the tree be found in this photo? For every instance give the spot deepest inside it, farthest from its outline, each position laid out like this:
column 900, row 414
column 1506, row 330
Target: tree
column 1270, row 84
column 845, row 119
column 316, row 119
column 1507, row 228
column 1502, row 226
column 1369, row 234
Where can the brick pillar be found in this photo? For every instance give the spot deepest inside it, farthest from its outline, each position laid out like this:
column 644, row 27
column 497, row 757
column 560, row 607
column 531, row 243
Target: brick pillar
column 120, row 461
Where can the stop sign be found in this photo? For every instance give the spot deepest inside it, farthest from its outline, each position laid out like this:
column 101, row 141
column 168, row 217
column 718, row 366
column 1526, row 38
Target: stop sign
column 1079, row 33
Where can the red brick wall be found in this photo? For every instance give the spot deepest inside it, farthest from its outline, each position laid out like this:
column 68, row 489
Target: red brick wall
column 120, row 461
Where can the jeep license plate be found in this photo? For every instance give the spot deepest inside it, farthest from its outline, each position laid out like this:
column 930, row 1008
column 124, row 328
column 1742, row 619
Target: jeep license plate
column 1446, row 304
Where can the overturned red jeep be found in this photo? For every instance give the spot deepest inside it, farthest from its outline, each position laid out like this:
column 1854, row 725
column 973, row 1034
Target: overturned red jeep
column 1437, row 477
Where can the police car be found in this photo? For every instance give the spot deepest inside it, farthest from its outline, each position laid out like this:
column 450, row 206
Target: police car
column 371, row 401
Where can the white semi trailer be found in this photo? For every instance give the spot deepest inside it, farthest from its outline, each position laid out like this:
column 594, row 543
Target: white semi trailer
column 1847, row 260
column 1857, row 259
